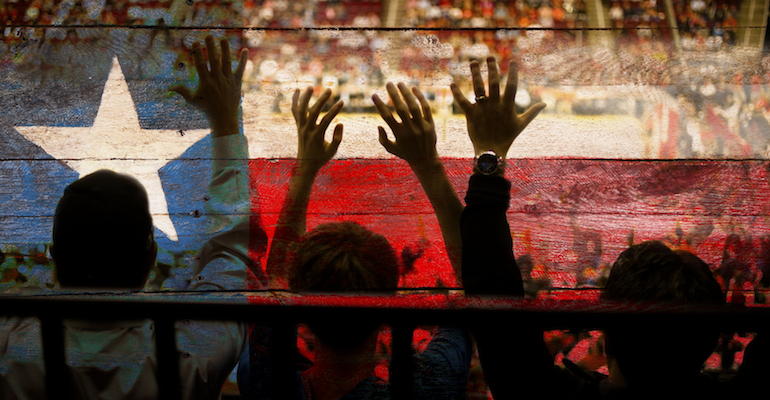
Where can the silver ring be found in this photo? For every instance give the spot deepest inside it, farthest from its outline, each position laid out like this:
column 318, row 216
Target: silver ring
column 481, row 98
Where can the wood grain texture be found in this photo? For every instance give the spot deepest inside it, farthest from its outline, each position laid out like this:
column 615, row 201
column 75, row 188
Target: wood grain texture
column 605, row 165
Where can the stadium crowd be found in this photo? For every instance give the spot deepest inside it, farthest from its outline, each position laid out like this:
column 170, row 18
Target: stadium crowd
column 355, row 61
column 707, row 25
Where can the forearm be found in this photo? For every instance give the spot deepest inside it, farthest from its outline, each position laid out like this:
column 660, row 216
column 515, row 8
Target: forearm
column 489, row 266
column 447, row 206
column 224, row 258
column 291, row 223
column 229, row 190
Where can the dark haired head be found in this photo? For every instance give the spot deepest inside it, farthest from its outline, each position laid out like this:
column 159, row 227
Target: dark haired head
column 651, row 272
column 103, row 234
column 343, row 257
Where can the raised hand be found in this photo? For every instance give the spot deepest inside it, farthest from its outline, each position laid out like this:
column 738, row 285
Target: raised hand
column 493, row 123
column 416, row 143
column 313, row 151
column 219, row 89
column 416, row 134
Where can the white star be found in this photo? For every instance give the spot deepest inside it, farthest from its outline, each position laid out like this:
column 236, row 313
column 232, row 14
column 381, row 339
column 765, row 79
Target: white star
column 116, row 141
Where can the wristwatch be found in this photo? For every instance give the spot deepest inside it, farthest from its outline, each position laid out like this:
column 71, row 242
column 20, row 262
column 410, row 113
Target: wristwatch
column 488, row 163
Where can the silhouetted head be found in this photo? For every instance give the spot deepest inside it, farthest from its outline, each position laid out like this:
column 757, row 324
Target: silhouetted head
column 651, row 272
column 103, row 234
column 343, row 257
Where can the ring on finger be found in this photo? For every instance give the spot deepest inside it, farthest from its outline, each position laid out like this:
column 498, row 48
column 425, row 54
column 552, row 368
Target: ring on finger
column 481, row 98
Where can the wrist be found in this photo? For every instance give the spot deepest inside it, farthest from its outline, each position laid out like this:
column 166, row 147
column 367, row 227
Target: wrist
column 428, row 171
column 489, row 163
column 500, row 173
column 425, row 165
column 307, row 168
column 223, row 127
column 500, row 151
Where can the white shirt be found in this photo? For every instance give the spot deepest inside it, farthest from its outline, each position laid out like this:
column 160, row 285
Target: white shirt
column 117, row 359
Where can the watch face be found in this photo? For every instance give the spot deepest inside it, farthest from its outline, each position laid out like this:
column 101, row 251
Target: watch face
column 487, row 163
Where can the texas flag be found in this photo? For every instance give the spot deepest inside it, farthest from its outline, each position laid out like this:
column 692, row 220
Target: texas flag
column 584, row 187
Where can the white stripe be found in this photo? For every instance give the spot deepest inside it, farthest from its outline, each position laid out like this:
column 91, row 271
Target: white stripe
column 274, row 135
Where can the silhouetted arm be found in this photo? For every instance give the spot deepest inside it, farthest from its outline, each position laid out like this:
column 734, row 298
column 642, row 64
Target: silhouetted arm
column 514, row 357
column 223, row 260
column 493, row 125
column 312, row 154
column 416, row 143
column 213, row 348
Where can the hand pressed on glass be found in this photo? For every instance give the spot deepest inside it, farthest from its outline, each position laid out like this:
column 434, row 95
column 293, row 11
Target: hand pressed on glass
column 219, row 89
column 493, row 123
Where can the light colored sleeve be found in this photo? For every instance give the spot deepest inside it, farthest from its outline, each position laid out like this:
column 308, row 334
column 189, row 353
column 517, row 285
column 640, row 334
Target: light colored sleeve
column 223, row 262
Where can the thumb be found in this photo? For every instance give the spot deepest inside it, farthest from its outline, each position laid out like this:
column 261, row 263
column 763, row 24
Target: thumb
column 385, row 142
column 183, row 91
column 530, row 114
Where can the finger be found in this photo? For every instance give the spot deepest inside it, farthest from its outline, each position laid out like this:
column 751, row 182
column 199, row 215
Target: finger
column 327, row 119
column 315, row 110
column 295, row 105
column 200, row 62
column 494, row 79
column 211, row 50
column 385, row 142
column 304, row 99
column 424, row 103
column 226, row 65
column 530, row 114
column 183, row 91
column 478, row 83
column 411, row 102
column 460, row 98
column 336, row 139
column 511, row 85
column 399, row 105
column 244, row 58
column 384, row 112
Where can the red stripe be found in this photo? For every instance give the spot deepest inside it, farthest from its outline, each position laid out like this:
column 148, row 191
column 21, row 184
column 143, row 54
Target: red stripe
column 560, row 209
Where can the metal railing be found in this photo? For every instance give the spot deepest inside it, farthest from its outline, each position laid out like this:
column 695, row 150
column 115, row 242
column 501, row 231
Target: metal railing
column 402, row 312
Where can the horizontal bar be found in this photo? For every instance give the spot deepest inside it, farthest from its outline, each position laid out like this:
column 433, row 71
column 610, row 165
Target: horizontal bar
column 351, row 28
column 403, row 309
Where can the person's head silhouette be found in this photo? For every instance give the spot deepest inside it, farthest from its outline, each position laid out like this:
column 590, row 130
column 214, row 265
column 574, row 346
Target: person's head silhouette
column 103, row 233
column 343, row 257
column 651, row 272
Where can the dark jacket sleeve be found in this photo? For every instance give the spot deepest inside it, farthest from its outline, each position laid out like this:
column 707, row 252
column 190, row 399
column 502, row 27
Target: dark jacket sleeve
column 488, row 263
column 515, row 360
